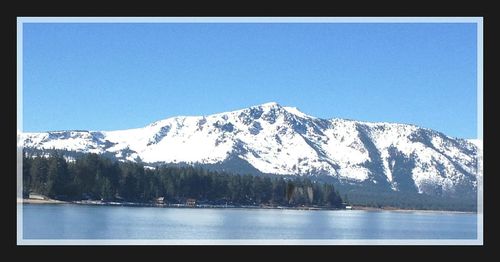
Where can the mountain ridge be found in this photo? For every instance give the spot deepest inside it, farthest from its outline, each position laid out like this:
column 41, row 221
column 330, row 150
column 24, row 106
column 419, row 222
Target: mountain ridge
column 282, row 140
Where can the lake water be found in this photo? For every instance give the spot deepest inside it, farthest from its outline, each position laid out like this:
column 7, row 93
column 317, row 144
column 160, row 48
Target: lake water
column 68, row 221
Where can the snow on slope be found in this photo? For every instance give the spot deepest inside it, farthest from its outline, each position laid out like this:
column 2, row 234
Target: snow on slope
column 283, row 140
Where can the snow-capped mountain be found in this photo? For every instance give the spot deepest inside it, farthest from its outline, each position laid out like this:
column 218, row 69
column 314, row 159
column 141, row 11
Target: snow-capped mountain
column 282, row 140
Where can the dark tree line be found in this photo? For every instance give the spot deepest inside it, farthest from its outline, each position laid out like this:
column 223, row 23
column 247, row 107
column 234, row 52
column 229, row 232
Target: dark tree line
column 99, row 178
column 377, row 199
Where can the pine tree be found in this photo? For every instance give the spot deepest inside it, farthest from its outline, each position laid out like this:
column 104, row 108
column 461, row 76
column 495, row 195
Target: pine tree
column 57, row 176
column 106, row 189
column 38, row 174
column 26, row 175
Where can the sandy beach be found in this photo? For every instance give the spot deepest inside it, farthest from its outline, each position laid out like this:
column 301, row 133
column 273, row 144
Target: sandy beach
column 53, row 201
column 405, row 210
column 40, row 201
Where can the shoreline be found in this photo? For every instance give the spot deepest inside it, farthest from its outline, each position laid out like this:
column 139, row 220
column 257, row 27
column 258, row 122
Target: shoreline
column 40, row 201
column 133, row 204
column 364, row 208
column 136, row 204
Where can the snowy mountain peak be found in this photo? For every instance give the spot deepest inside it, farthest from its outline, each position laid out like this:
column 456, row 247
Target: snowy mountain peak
column 297, row 112
column 268, row 105
column 269, row 138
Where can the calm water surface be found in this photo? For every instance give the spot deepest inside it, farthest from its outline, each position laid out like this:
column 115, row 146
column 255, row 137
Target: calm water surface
column 67, row 221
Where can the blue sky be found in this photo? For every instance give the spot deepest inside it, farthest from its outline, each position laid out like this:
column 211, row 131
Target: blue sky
column 119, row 76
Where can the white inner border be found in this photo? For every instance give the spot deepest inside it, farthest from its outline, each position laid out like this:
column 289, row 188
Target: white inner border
column 21, row 20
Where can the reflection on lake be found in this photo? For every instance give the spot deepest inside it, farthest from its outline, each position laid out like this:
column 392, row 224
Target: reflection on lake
column 110, row 222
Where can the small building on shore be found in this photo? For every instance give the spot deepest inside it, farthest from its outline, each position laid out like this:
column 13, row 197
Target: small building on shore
column 37, row 196
column 160, row 200
column 191, row 202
